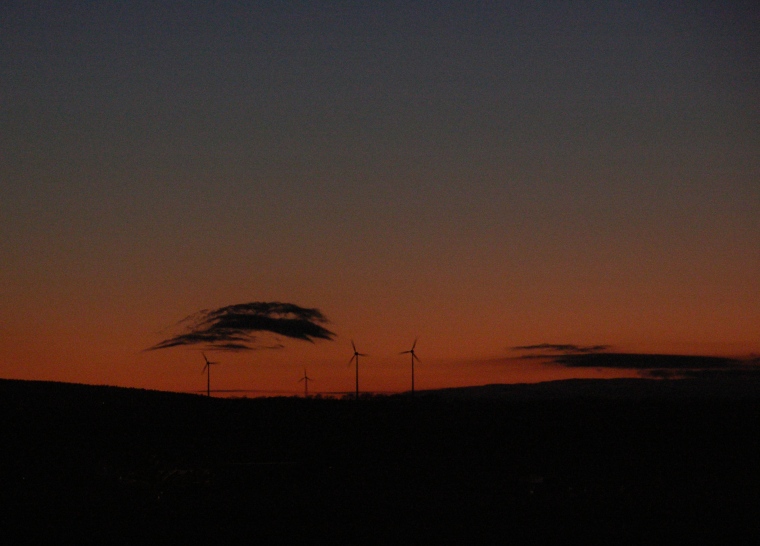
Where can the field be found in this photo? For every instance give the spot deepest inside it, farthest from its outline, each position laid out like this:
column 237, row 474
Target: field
column 620, row 462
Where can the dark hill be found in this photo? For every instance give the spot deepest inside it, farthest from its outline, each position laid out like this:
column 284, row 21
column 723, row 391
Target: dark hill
column 99, row 464
column 721, row 385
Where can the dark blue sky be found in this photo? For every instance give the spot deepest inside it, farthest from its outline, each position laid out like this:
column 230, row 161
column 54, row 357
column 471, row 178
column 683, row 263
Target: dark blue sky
column 512, row 172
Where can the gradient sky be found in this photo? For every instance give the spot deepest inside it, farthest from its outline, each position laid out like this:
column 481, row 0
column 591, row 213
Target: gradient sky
column 482, row 175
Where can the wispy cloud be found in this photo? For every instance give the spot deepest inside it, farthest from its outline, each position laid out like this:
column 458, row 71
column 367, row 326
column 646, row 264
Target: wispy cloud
column 235, row 327
column 650, row 365
column 642, row 361
column 561, row 348
column 746, row 370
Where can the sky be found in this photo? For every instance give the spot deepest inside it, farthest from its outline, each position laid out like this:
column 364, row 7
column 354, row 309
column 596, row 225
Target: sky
column 478, row 175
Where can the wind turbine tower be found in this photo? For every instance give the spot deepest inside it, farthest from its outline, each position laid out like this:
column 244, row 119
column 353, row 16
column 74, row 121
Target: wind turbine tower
column 305, row 380
column 414, row 357
column 207, row 369
column 356, row 356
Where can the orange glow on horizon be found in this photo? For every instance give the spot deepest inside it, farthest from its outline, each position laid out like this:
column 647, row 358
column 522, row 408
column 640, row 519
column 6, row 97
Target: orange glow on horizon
column 75, row 356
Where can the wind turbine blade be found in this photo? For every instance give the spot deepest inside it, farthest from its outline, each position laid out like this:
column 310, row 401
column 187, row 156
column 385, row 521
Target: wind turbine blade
column 204, row 358
column 415, row 343
column 405, row 352
column 352, row 345
column 352, row 360
column 361, row 354
column 415, row 357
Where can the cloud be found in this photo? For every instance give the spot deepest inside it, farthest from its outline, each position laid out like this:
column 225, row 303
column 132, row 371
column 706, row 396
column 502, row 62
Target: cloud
column 650, row 365
column 561, row 348
column 746, row 371
column 643, row 361
column 234, row 327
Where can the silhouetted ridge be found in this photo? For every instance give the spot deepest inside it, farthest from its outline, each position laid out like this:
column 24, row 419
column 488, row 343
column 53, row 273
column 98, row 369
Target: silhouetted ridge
column 525, row 462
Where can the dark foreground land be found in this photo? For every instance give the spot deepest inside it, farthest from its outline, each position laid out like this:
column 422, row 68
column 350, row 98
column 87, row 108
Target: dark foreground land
column 101, row 464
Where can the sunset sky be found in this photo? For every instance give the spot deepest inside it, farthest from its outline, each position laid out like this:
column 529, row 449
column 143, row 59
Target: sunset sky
column 483, row 175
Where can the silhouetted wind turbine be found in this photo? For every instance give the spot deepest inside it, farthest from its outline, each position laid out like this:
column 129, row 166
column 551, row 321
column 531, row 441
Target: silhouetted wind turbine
column 207, row 369
column 305, row 380
column 356, row 356
column 414, row 357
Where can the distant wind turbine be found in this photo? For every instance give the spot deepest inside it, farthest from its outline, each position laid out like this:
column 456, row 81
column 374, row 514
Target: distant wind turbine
column 305, row 380
column 356, row 356
column 207, row 369
column 414, row 357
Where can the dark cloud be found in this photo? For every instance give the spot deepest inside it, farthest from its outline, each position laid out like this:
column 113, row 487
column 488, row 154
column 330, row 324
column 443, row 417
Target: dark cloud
column 638, row 361
column 746, row 371
column 234, row 328
column 661, row 366
column 562, row 348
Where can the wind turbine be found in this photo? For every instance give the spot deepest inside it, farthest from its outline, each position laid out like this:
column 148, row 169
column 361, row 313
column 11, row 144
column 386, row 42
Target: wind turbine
column 356, row 356
column 414, row 357
column 207, row 369
column 305, row 380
